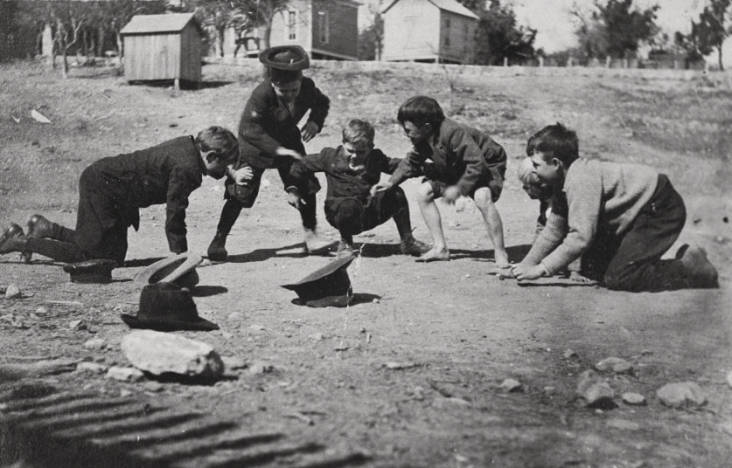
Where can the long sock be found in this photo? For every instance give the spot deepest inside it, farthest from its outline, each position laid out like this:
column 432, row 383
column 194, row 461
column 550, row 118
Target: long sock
column 60, row 251
column 307, row 212
column 229, row 215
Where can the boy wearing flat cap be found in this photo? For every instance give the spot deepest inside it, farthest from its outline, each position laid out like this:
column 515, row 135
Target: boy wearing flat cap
column 351, row 170
column 269, row 138
column 112, row 190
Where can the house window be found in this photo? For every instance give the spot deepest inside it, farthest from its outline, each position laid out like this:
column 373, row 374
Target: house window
column 447, row 32
column 292, row 25
column 323, row 27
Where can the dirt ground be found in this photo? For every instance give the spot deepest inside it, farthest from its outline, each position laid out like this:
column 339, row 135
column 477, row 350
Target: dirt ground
column 329, row 399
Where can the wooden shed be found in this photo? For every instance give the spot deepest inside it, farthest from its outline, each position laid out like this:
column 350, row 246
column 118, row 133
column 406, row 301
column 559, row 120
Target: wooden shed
column 163, row 47
column 428, row 31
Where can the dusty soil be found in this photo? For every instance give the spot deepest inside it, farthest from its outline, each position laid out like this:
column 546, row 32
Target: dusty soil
column 330, row 400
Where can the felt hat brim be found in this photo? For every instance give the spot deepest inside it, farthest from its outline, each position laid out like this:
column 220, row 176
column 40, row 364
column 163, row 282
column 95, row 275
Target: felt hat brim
column 299, row 62
column 155, row 273
column 200, row 324
column 91, row 271
column 327, row 301
column 326, row 270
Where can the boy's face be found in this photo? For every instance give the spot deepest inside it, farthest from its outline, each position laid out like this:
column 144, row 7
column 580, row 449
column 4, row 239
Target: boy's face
column 549, row 169
column 358, row 151
column 536, row 189
column 216, row 163
column 416, row 133
column 288, row 92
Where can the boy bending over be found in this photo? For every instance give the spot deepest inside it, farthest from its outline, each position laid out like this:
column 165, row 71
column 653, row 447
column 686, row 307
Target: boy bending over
column 466, row 162
column 112, row 190
column 619, row 218
column 351, row 170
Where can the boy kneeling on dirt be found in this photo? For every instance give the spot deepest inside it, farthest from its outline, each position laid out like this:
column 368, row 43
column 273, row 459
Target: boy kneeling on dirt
column 351, row 170
column 619, row 218
column 111, row 191
column 466, row 161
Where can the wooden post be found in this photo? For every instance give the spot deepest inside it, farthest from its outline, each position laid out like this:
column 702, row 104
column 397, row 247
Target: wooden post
column 505, row 61
column 176, row 84
column 541, row 62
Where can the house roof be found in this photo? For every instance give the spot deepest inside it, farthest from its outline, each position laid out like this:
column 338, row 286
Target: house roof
column 154, row 24
column 447, row 5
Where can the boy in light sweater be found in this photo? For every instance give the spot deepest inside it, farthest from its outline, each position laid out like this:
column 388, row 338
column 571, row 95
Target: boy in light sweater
column 619, row 218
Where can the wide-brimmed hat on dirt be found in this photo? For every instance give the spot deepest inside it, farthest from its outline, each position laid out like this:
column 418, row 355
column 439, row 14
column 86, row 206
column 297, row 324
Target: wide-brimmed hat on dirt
column 328, row 286
column 91, row 271
column 178, row 269
column 167, row 307
column 286, row 57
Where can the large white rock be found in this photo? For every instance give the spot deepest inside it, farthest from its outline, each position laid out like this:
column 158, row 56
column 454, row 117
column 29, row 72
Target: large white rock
column 681, row 395
column 166, row 353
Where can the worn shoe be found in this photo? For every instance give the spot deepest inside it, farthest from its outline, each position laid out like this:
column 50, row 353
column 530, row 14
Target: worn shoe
column 701, row 270
column 413, row 247
column 12, row 239
column 216, row 250
column 39, row 227
column 316, row 245
column 434, row 255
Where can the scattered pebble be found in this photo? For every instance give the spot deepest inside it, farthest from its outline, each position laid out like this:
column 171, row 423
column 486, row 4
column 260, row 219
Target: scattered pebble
column 451, row 401
column 95, row 344
column 376, row 300
column 400, row 365
column 317, row 337
column 77, row 325
column 681, row 395
column 511, row 385
column 125, row 393
column 152, row 386
column 91, row 367
column 259, row 368
column 623, row 424
column 549, row 389
column 13, row 292
column 124, row 374
column 418, row 393
column 632, row 398
column 569, row 354
column 615, row 364
column 234, row 362
column 42, row 311
column 595, row 390
column 729, row 378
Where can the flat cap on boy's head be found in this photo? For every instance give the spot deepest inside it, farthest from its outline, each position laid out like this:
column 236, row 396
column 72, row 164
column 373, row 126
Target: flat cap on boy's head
column 287, row 57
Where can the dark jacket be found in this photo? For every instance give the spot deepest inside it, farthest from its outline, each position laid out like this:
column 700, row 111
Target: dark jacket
column 267, row 124
column 462, row 155
column 166, row 173
column 344, row 181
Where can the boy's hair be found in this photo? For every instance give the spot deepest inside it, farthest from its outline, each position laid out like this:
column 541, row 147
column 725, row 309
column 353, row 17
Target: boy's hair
column 555, row 141
column 358, row 131
column 421, row 110
column 281, row 77
column 219, row 140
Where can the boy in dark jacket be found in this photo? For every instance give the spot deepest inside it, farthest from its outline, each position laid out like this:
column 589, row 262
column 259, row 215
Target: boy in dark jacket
column 466, row 161
column 619, row 218
column 112, row 190
column 351, row 170
column 270, row 139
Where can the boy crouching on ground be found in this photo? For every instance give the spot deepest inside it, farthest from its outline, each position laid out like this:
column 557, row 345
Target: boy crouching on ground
column 351, row 170
column 466, row 161
column 111, row 191
column 620, row 218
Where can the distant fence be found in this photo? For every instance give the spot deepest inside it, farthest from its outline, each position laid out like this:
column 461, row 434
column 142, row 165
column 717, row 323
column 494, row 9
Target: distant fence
column 494, row 71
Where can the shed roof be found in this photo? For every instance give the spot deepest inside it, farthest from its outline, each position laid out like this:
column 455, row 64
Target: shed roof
column 448, row 5
column 155, row 24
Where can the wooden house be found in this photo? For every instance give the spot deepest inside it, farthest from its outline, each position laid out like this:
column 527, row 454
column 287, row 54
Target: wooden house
column 326, row 29
column 428, row 31
column 163, row 47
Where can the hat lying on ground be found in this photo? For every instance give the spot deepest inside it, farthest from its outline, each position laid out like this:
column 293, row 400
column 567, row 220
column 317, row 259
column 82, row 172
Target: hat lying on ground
column 286, row 57
column 178, row 269
column 91, row 271
column 167, row 307
column 327, row 286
